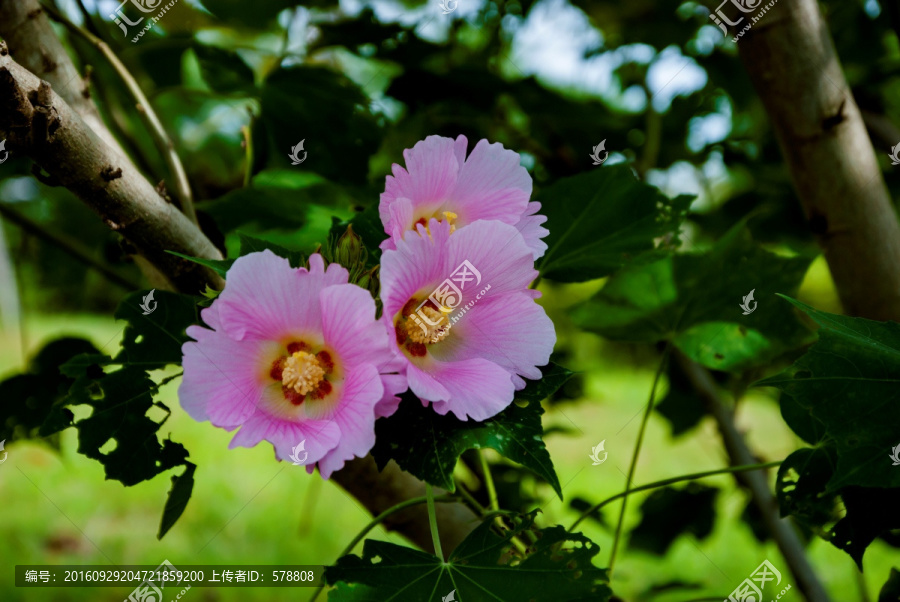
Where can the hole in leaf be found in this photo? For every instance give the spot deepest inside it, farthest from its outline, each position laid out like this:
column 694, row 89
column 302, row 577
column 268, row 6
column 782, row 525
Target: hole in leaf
column 108, row 447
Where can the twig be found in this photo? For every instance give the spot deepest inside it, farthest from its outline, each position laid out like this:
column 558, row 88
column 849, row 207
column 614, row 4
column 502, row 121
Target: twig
column 157, row 131
column 670, row 481
column 70, row 248
column 780, row 529
column 50, row 132
column 635, row 454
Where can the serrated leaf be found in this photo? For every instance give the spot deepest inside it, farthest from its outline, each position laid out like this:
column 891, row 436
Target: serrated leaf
column 849, row 382
column 694, row 301
column 428, row 445
column 694, row 505
column 602, row 219
column 154, row 340
column 119, row 402
column 558, row 568
column 179, row 496
column 841, row 395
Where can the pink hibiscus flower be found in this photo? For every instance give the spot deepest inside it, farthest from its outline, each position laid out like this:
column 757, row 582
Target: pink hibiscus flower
column 290, row 356
column 467, row 352
column 440, row 182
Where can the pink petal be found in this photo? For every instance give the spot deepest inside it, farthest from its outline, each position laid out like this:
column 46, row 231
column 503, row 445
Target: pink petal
column 223, row 379
column 319, row 436
column 355, row 417
column 511, row 331
column 531, row 230
column 491, row 185
column 265, row 298
column 429, row 177
column 478, row 388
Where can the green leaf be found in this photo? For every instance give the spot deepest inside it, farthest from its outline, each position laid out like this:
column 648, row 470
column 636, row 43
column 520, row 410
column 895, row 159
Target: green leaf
column 428, row 445
column 223, row 69
column 327, row 111
column 841, row 396
column 890, row 592
column 119, row 401
column 558, row 568
column 601, row 220
column 250, row 244
column 278, row 199
column 849, row 382
column 179, row 495
column 694, row 301
column 31, row 403
column 154, row 340
column 694, row 505
column 219, row 266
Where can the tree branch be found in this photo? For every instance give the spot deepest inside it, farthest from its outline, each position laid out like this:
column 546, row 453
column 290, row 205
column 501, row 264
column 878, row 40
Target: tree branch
column 739, row 454
column 25, row 28
column 793, row 66
column 182, row 188
column 38, row 123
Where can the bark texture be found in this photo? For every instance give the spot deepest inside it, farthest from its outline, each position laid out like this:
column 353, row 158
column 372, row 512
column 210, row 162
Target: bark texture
column 792, row 63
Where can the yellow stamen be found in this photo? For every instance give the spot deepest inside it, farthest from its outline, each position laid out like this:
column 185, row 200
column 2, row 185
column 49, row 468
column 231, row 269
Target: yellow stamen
column 302, row 372
column 434, row 334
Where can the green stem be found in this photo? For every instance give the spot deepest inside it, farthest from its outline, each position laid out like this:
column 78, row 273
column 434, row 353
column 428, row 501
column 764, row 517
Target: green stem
column 634, row 457
column 489, row 482
column 378, row 519
column 432, row 522
column 670, row 481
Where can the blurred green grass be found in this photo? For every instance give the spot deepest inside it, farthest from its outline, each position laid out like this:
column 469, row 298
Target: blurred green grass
column 249, row 509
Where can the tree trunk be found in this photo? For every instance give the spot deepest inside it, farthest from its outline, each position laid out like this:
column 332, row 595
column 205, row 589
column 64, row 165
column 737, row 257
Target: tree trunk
column 793, row 66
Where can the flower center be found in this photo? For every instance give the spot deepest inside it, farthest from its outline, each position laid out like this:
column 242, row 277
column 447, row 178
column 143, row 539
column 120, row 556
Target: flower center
column 302, row 372
column 449, row 217
column 432, row 330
